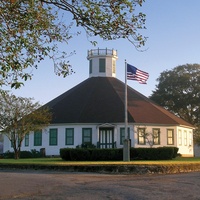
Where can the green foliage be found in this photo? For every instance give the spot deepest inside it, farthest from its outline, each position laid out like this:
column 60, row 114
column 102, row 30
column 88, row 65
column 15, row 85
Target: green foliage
column 32, row 29
column 19, row 116
column 110, row 20
column 88, row 146
column 30, row 32
column 160, row 153
column 65, row 154
column 8, row 154
column 23, row 154
column 36, row 154
column 81, row 154
column 175, row 154
column 106, row 154
column 178, row 90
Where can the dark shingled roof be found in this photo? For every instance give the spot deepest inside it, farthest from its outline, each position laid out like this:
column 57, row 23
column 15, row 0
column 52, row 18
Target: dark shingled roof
column 101, row 100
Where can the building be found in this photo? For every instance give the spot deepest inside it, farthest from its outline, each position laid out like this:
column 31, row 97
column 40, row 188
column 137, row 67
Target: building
column 93, row 113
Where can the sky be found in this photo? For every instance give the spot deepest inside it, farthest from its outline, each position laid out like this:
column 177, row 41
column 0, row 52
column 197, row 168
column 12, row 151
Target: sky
column 173, row 31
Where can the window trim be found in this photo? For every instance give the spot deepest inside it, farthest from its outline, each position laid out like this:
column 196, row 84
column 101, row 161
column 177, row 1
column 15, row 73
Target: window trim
column 83, row 129
column 26, row 140
column 144, row 139
column 172, row 137
column 37, row 138
column 102, row 65
column 122, row 134
column 156, row 129
column 53, row 139
column 185, row 138
column 180, row 137
column 190, row 138
column 72, row 137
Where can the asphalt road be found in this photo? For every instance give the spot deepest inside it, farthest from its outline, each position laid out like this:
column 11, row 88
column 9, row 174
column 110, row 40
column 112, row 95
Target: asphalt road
column 50, row 185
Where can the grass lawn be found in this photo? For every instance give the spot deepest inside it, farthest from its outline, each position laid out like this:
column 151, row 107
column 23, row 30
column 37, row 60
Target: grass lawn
column 59, row 161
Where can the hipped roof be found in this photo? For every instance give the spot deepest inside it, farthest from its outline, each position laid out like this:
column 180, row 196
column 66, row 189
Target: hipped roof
column 101, row 100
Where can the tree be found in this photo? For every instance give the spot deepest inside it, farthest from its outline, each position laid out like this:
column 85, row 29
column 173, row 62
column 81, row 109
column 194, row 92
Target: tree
column 178, row 91
column 30, row 30
column 110, row 20
column 19, row 116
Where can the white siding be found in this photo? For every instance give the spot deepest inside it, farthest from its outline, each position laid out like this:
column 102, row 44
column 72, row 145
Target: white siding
column 185, row 147
column 185, row 143
column 109, row 60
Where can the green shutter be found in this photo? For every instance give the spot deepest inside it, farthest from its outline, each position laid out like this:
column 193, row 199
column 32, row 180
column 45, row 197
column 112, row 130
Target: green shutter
column 102, row 65
column 122, row 135
column 26, row 140
column 69, row 136
column 53, row 137
column 38, row 138
column 87, row 135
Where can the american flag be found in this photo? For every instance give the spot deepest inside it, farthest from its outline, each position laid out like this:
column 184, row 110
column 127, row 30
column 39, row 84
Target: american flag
column 137, row 75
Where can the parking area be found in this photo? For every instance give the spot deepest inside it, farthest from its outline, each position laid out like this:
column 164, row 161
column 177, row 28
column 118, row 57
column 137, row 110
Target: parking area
column 54, row 185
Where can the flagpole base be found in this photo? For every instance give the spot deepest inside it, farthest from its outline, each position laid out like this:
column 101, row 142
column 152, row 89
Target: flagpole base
column 126, row 150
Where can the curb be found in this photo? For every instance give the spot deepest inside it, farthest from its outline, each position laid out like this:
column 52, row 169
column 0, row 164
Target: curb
column 111, row 169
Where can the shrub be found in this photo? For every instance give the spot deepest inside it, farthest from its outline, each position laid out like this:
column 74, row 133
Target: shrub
column 106, row 154
column 26, row 154
column 8, row 154
column 175, row 152
column 35, row 153
column 79, row 154
column 160, row 153
column 88, row 145
column 23, row 154
column 84, row 154
column 65, row 154
column 165, row 153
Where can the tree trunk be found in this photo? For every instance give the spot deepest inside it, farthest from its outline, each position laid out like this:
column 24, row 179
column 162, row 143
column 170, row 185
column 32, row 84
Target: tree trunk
column 17, row 153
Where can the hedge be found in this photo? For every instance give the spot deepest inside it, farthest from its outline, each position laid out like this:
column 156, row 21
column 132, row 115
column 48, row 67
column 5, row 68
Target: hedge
column 23, row 154
column 82, row 154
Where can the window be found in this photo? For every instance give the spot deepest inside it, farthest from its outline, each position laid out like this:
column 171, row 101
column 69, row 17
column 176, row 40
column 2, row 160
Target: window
column 102, row 65
column 170, row 136
column 53, row 136
column 87, row 135
column 185, row 138
column 122, row 135
column 38, row 138
column 179, row 137
column 141, row 136
column 69, row 136
column 156, row 136
column 26, row 142
column 190, row 138
column 90, row 67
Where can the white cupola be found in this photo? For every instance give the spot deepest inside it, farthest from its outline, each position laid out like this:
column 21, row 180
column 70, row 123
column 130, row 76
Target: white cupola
column 102, row 62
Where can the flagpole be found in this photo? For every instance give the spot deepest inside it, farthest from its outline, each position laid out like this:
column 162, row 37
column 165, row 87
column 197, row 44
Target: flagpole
column 125, row 109
column 126, row 148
